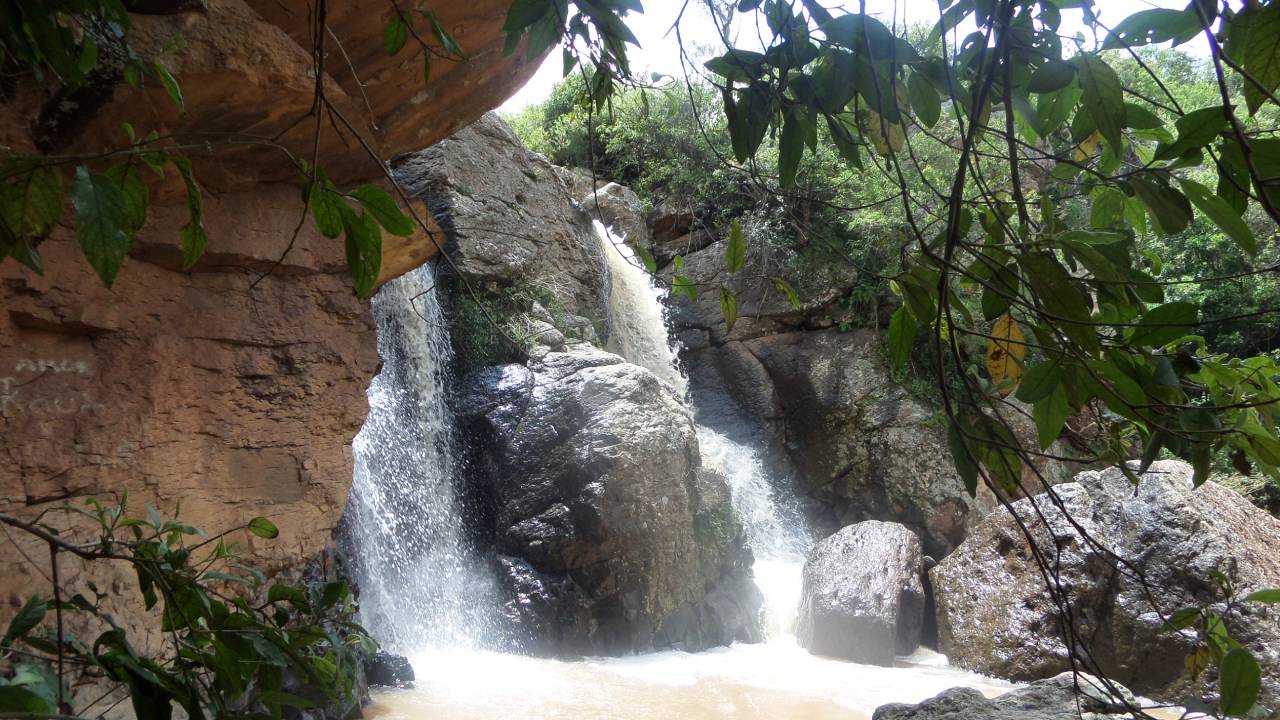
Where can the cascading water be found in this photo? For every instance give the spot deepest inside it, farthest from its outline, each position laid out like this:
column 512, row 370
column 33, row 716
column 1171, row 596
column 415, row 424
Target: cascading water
column 421, row 584
column 775, row 529
column 637, row 318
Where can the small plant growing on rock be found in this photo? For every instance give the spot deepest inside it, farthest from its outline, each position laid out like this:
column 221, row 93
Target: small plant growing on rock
column 234, row 646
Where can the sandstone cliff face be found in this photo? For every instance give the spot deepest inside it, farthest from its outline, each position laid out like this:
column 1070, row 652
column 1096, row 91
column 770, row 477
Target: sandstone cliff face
column 237, row 395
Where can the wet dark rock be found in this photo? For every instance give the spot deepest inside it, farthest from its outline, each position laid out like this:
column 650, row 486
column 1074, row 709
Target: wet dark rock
column 996, row 616
column 862, row 599
column 611, row 539
column 388, row 670
column 1064, row 697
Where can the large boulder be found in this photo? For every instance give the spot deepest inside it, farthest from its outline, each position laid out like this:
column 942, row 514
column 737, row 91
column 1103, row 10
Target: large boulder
column 620, row 210
column 610, row 539
column 525, row 268
column 1064, row 697
column 862, row 597
column 1125, row 558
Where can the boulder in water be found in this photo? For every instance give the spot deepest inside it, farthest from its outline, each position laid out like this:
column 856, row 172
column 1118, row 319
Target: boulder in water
column 863, row 599
column 996, row 616
column 1064, row 697
column 586, row 468
column 388, row 670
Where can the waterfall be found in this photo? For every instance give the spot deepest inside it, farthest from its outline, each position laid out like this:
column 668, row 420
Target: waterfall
column 774, row 525
column 637, row 317
column 775, row 529
column 421, row 584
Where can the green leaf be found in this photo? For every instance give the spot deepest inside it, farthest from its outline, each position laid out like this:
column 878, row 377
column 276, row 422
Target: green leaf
column 1239, row 682
column 1270, row 595
column 1050, row 414
column 735, row 252
column 1195, row 130
column 100, row 221
column 861, row 34
column 1039, row 381
column 1103, row 96
column 789, row 292
column 263, row 528
column 136, row 199
column 924, row 99
column 902, row 335
column 748, row 118
column 32, row 203
column 963, row 458
column 446, row 40
column 1052, row 76
column 1165, row 323
column 384, row 209
column 32, row 612
column 171, row 86
column 1170, row 210
column 646, row 257
column 194, row 240
column 729, row 308
column 395, row 35
column 326, row 209
column 846, row 145
column 22, row 700
column 364, row 250
column 1151, row 27
column 524, row 13
column 1183, row 618
column 1140, row 118
column 682, row 286
column 1261, row 54
column 1217, row 210
column 790, row 149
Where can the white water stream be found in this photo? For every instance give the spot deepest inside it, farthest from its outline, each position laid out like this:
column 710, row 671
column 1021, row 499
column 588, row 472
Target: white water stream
column 421, row 584
column 773, row 679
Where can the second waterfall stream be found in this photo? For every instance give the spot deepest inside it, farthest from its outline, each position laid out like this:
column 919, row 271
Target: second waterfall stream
column 457, row 679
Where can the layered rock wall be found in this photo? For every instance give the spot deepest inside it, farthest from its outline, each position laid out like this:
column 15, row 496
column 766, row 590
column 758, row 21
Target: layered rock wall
column 227, row 388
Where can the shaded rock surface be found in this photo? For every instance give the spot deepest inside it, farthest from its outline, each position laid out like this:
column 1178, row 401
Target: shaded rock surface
column 610, row 539
column 1062, row 697
column 388, row 670
column 855, row 444
column 862, row 597
column 1172, row 535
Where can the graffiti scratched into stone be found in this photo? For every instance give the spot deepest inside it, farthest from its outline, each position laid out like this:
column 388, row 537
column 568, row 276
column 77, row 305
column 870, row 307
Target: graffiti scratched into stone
column 20, row 393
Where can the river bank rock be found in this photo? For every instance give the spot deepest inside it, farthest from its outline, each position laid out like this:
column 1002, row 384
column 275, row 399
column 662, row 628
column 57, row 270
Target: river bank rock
column 862, row 598
column 1165, row 531
column 611, row 540
column 1063, row 697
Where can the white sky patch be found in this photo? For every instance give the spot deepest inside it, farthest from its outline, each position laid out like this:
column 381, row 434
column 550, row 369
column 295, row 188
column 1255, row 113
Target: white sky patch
column 659, row 50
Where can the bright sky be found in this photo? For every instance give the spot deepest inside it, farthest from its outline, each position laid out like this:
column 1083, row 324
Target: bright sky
column 659, row 51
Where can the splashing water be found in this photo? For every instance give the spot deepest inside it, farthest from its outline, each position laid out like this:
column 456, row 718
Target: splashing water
column 423, row 594
column 421, row 584
column 775, row 528
column 637, row 317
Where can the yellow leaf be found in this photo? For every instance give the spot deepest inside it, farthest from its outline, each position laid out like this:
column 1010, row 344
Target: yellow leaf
column 1005, row 353
column 1085, row 149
